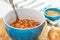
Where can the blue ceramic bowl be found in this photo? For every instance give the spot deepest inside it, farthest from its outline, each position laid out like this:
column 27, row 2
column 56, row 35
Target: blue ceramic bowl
column 28, row 33
column 53, row 18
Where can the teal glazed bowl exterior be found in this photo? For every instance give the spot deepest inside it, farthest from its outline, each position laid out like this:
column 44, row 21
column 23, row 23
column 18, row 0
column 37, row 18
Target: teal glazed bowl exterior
column 28, row 33
column 53, row 18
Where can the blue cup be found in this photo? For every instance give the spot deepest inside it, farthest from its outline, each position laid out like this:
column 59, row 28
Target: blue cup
column 52, row 18
column 28, row 33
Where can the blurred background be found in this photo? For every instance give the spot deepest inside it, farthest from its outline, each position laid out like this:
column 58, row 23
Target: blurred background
column 35, row 4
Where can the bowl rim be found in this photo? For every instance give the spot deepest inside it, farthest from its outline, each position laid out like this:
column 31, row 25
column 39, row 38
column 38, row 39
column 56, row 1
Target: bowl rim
column 21, row 28
column 48, row 10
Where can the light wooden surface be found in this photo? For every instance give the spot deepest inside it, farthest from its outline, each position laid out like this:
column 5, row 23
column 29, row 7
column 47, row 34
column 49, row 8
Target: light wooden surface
column 44, row 33
column 5, row 36
column 3, row 33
